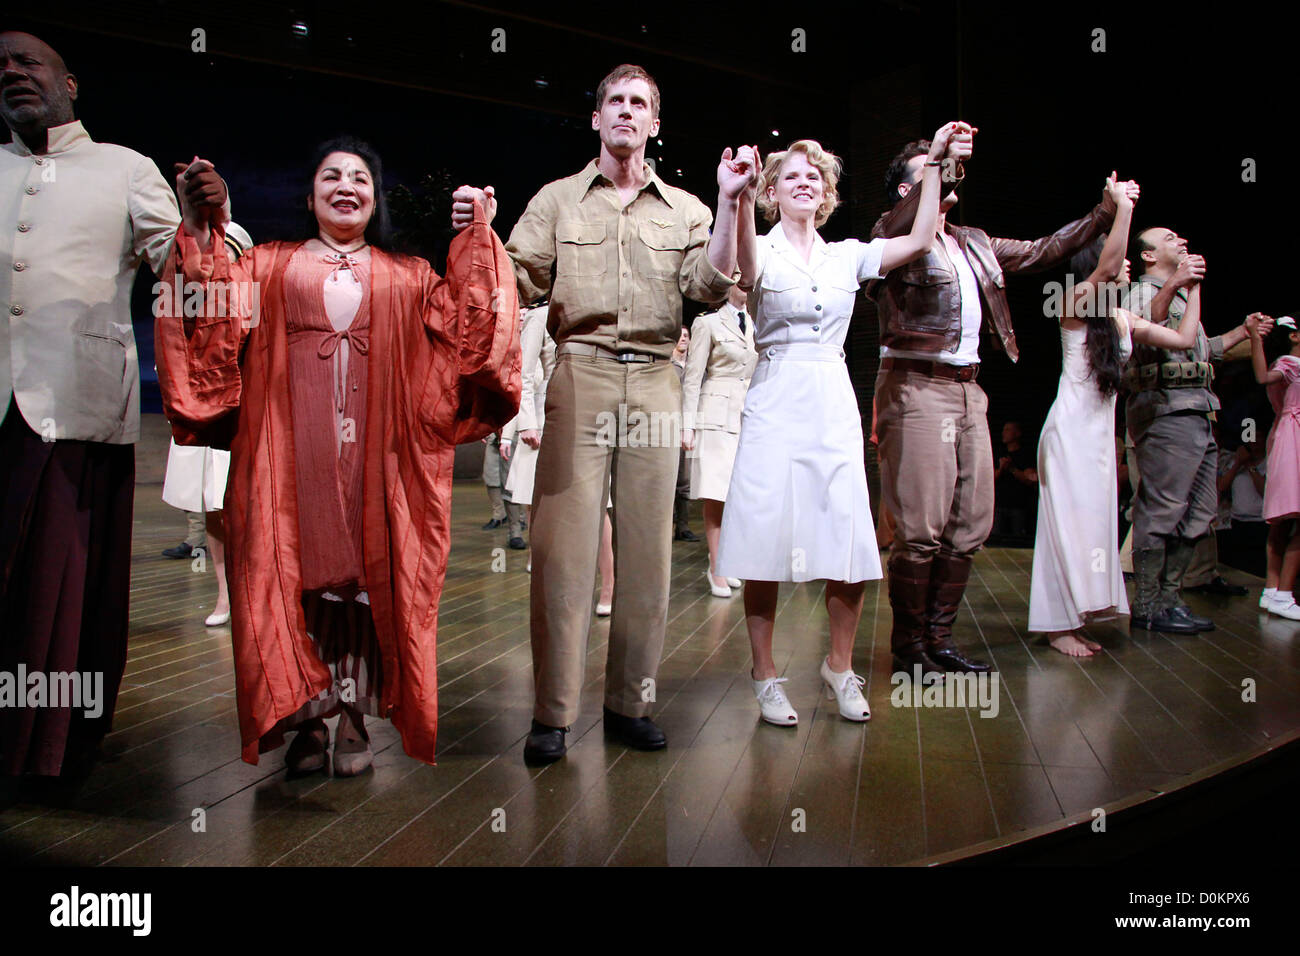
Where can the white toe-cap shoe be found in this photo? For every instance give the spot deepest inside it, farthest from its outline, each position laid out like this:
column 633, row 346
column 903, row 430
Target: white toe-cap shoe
column 773, row 703
column 846, row 689
column 723, row 591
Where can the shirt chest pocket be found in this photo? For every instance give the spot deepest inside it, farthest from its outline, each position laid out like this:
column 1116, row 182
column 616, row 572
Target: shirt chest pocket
column 580, row 249
column 663, row 249
column 783, row 296
column 924, row 292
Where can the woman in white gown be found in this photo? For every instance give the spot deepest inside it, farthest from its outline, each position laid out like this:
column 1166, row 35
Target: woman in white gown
column 797, row 506
column 1076, row 577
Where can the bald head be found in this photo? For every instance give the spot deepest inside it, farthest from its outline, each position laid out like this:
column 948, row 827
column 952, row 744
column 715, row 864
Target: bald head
column 36, row 89
column 1158, row 250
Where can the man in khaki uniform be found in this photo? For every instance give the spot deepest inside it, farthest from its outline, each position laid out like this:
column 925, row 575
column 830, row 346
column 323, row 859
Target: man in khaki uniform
column 625, row 247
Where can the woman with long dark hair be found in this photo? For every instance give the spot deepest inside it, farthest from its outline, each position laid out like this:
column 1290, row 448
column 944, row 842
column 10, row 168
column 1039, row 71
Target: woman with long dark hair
column 341, row 377
column 1076, row 576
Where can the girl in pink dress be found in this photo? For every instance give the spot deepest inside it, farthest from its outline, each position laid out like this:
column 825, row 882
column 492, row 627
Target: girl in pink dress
column 1282, row 490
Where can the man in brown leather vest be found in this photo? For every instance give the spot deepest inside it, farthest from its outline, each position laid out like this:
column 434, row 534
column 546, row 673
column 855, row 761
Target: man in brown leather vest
column 931, row 416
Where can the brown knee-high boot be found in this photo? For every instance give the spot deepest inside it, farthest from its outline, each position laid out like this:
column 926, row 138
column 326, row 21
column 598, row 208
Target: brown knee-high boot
column 909, row 581
column 948, row 576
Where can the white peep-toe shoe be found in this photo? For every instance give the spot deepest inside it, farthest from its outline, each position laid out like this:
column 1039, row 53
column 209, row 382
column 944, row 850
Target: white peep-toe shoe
column 723, row 591
column 846, row 689
column 773, row 703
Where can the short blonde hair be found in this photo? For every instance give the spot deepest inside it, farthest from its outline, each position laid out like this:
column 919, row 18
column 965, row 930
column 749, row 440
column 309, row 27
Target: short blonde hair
column 823, row 160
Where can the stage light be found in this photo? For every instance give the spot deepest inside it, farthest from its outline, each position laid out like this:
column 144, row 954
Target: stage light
column 776, row 132
column 299, row 28
column 540, row 83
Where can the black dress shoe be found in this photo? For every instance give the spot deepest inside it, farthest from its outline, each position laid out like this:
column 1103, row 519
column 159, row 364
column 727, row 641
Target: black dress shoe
column 686, row 534
column 1217, row 585
column 494, row 523
column 517, row 543
column 1163, row 620
column 545, row 744
column 907, row 663
column 640, row 733
column 951, row 659
column 181, row 550
column 1184, row 613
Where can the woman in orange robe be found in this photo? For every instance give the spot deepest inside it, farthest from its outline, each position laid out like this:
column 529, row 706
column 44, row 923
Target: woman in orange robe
column 341, row 377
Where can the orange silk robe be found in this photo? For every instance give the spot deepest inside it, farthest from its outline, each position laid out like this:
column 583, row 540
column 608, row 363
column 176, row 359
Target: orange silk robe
column 444, row 369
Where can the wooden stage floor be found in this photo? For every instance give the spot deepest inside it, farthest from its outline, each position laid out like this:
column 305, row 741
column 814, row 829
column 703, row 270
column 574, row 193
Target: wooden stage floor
column 911, row 784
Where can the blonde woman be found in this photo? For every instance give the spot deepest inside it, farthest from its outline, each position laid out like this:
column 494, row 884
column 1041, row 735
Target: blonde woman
column 798, row 506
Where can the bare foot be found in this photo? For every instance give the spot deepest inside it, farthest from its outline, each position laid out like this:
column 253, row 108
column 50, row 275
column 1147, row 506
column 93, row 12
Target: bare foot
column 1091, row 645
column 1071, row 646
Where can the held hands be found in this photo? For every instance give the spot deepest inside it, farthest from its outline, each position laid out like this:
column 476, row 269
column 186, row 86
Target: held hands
column 738, row 175
column 953, row 141
column 1258, row 325
column 1190, row 271
column 462, row 205
column 202, row 195
column 1117, row 194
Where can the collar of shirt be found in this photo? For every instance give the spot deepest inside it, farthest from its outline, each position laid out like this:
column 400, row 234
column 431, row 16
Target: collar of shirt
column 1159, row 283
column 592, row 173
column 60, row 139
column 781, row 245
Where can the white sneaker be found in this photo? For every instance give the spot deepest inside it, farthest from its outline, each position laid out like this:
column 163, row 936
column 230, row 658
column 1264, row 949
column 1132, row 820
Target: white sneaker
column 1266, row 598
column 846, row 688
column 1289, row 610
column 773, row 703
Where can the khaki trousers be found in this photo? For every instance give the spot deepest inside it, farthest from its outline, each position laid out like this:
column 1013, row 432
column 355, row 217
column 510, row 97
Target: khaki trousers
column 610, row 425
column 936, row 462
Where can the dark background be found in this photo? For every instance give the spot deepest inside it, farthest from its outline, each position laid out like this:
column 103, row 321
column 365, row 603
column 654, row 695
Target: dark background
column 1176, row 101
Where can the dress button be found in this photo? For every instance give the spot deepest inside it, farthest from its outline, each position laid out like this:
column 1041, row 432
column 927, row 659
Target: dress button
column 17, row 310
column 23, row 227
column 814, row 288
column 816, row 328
column 39, row 160
column 818, row 307
column 32, row 190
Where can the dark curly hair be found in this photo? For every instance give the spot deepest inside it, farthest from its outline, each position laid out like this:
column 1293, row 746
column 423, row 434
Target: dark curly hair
column 896, row 174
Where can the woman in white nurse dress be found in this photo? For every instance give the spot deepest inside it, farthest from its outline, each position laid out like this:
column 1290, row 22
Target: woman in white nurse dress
column 798, row 507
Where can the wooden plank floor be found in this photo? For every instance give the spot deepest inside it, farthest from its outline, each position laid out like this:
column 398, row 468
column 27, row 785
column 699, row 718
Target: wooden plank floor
column 1069, row 736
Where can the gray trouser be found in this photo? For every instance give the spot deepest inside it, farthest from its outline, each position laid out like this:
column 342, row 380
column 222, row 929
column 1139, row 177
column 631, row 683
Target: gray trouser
column 1178, row 492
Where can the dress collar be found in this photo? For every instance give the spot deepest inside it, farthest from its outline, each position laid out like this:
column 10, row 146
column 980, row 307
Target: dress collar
column 781, row 244
column 59, row 139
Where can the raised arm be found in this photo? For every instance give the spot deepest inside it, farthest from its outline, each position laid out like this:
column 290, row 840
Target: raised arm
column 1111, row 261
column 1148, row 333
column 1257, row 360
column 1022, row 255
column 901, row 250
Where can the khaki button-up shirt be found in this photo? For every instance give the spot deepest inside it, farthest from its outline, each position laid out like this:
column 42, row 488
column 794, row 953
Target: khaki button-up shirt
column 75, row 224
column 620, row 271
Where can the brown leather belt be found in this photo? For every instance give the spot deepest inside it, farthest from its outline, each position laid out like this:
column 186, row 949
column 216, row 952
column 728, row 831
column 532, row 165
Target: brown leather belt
column 958, row 373
column 599, row 351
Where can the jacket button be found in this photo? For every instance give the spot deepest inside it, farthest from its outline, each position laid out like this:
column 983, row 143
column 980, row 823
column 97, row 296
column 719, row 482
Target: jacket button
column 40, row 161
column 19, row 266
column 32, row 190
column 16, row 310
column 23, row 227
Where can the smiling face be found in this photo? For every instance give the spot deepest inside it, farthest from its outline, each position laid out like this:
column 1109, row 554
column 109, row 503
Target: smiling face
column 798, row 191
column 626, row 119
column 36, row 89
column 343, row 196
column 1165, row 248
